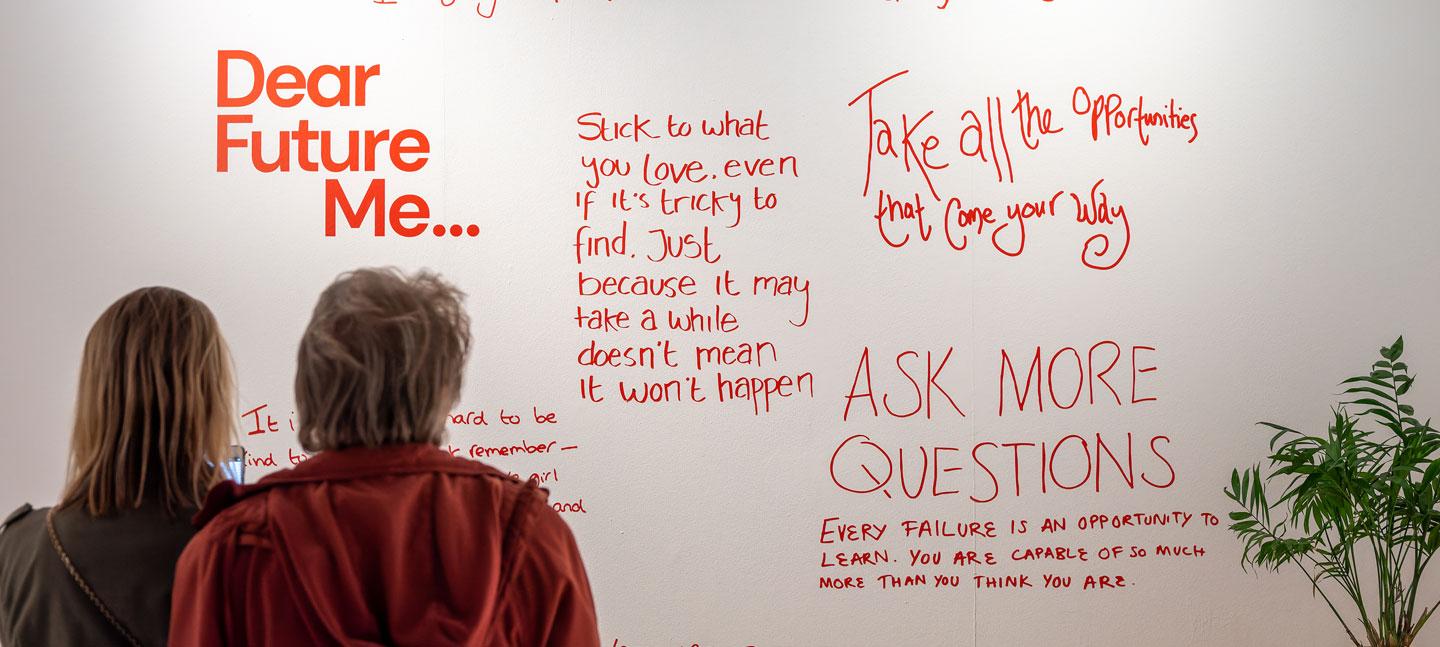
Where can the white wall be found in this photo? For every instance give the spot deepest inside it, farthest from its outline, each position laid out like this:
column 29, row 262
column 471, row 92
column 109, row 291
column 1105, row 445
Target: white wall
column 1269, row 259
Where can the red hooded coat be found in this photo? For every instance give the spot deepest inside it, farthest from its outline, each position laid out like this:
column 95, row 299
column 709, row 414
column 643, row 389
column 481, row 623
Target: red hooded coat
column 401, row 545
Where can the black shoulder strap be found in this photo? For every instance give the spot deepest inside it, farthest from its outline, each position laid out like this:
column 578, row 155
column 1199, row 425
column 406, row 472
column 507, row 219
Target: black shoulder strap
column 18, row 514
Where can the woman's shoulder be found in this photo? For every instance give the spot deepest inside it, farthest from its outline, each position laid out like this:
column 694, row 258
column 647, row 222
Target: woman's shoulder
column 146, row 539
column 128, row 558
column 22, row 537
column 140, row 534
column 17, row 515
column 20, row 532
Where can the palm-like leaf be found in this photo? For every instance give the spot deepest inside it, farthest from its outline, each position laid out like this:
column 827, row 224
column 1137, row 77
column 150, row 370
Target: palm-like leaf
column 1351, row 494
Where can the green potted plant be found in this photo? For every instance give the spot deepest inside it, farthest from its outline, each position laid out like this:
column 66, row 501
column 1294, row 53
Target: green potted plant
column 1354, row 508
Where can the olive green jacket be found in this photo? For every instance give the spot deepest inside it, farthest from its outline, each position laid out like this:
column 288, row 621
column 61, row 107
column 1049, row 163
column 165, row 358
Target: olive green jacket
column 128, row 558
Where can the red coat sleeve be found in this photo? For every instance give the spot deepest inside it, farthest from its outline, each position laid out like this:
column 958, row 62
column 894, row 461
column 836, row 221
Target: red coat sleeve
column 198, row 604
column 549, row 598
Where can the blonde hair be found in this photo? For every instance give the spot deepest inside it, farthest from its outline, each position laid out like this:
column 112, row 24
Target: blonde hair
column 381, row 360
column 154, row 411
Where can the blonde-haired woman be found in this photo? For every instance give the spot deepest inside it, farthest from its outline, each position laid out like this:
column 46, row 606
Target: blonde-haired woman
column 153, row 420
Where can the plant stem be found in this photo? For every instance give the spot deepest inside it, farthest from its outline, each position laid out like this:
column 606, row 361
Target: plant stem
column 1315, row 583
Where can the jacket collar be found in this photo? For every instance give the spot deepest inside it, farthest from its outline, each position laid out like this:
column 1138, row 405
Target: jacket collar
column 345, row 464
